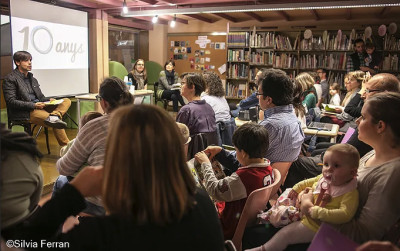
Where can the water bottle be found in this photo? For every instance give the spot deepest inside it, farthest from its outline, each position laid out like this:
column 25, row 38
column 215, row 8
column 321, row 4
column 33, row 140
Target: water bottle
column 131, row 86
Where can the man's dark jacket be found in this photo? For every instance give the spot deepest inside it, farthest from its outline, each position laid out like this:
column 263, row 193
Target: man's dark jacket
column 16, row 95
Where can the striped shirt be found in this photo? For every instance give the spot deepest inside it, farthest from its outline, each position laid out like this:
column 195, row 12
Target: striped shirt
column 89, row 147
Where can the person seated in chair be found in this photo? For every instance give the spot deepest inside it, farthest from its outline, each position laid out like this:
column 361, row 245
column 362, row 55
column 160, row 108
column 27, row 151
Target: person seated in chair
column 138, row 75
column 25, row 100
column 251, row 143
column 167, row 78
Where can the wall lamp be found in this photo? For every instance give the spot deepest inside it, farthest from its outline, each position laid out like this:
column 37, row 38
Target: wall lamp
column 155, row 19
column 124, row 7
column 173, row 22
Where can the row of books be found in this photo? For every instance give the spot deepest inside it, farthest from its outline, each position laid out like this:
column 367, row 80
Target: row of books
column 336, row 61
column 283, row 43
column 238, row 71
column 390, row 63
column 262, row 57
column 262, row 39
column 336, row 77
column 284, row 60
column 238, row 55
column 238, row 39
column 391, row 43
column 312, row 61
column 236, row 90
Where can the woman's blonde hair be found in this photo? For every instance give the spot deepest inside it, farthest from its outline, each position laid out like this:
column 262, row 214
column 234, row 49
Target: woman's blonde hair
column 145, row 173
column 357, row 75
column 305, row 80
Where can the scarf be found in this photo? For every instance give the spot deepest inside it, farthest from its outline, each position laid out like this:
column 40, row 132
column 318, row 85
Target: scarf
column 139, row 77
column 170, row 77
column 17, row 141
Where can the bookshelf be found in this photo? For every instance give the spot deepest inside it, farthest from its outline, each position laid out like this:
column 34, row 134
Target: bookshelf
column 251, row 50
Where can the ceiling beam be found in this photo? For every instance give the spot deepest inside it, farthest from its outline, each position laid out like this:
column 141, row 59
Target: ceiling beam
column 200, row 17
column 284, row 15
column 130, row 24
column 152, row 2
column 384, row 12
column 227, row 17
column 177, row 19
column 348, row 14
column 81, row 3
column 315, row 14
column 255, row 16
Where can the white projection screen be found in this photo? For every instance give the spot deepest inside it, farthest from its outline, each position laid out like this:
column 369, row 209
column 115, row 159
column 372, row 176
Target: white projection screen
column 57, row 38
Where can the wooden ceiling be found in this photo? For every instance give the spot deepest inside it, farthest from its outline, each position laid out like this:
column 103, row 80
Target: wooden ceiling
column 114, row 10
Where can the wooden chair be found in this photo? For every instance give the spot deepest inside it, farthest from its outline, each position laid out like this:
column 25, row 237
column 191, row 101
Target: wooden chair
column 29, row 130
column 256, row 202
column 283, row 168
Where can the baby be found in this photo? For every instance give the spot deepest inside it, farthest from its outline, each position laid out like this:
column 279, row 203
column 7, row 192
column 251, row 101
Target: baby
column 335, row 198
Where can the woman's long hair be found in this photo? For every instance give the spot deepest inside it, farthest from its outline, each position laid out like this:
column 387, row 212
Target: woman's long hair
column 145, row 173
column 134, row 72
column 115, row 92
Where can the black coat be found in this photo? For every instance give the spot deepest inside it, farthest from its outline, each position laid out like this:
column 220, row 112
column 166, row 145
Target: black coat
column 16, row 95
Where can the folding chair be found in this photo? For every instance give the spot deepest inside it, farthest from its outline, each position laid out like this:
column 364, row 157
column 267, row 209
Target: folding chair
column 256, row 202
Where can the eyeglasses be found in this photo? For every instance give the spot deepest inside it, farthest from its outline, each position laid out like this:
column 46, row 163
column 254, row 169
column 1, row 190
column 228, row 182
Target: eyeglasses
column 98, row 98
column 259, row 94
column 319, row 72
column 140, row 64
column 373, row 90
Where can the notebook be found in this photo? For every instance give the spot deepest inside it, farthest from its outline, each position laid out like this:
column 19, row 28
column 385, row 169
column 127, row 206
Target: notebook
column 328, row 239
column 320, row 126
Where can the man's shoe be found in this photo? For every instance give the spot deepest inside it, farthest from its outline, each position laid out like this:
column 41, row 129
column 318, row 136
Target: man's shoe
column 55, row 122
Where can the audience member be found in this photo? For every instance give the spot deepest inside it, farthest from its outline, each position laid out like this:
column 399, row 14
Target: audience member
column 214, row 95
column 378, row 175
column 322, row 73
column 21, row 180
column 299, row 109
column 138, row 75
column 25, row 100
column 335, row 198
column 334, row 91
column 89, row 145
column 250, row 101
column 167, row 79
column 372, row 59
column 356, row 60
column 147, row 189
column 275, row 94
column 197, row 114
column 309, row 95
column 251, row 144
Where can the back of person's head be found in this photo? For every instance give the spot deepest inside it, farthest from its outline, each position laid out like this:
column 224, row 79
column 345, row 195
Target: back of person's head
column 385, row 106
column 299, row 88
column 277, row 85
column 184, row 132
column 214, row 84
column 357, row 75
column 196, row 80
column 115, row 92
column 323, row 70
column 22, row 56
column 145, row 173
column 386, row 82
column 88, row 117
column 305, row 80
column 347, row 151
column 252, row 139
column 315, row 76
column 168, row 62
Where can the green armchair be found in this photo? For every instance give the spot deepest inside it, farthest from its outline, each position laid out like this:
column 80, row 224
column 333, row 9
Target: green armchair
column 117, row 69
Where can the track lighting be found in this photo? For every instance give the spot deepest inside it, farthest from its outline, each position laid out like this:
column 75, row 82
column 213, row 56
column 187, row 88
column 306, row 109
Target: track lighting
column 124, row 7
column 173, row 22
column 155, row 19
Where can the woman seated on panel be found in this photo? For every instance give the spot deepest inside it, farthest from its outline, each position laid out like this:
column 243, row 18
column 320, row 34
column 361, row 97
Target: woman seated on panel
column 378, row 175
column 167, row 79
column 150, row 195
column 138, row 75
column 214, row 95
column 198, row 115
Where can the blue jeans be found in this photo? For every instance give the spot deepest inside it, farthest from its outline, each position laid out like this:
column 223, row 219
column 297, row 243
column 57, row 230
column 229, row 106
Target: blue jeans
column 91, row 208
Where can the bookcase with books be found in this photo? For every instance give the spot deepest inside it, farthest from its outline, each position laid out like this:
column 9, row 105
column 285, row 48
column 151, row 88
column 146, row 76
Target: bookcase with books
column 293, row 52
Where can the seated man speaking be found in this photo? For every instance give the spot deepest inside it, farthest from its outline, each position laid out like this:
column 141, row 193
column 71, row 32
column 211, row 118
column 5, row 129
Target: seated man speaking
column 25, row 100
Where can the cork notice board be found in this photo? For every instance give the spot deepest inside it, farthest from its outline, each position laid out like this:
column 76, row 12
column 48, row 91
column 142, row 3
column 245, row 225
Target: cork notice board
column 196, row 53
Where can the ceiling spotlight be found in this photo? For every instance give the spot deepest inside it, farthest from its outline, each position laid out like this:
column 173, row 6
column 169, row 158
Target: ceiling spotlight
column 124, row 7
column 173, row 22
column 155, row 19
